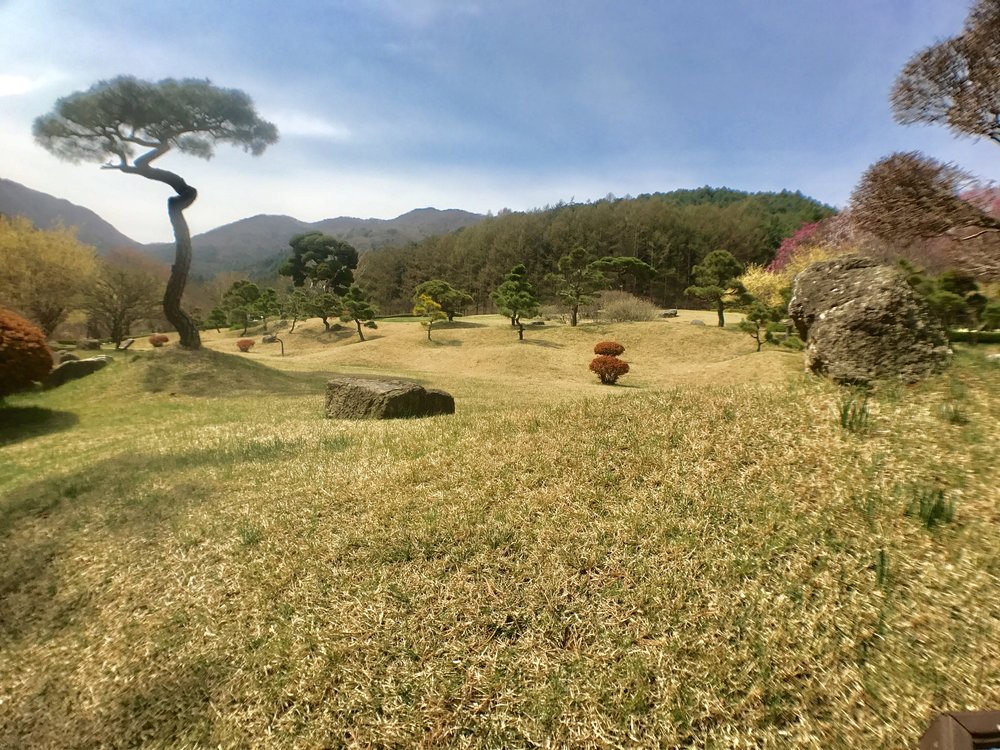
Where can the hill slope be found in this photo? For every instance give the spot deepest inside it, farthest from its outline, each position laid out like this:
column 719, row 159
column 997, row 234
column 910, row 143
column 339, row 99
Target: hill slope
column 46, row 211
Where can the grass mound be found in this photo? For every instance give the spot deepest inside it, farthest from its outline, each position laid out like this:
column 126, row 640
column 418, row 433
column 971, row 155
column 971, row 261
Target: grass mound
column 211, row 373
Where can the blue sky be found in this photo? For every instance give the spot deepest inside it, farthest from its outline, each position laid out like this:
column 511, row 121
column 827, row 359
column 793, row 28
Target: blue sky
column 389, row 105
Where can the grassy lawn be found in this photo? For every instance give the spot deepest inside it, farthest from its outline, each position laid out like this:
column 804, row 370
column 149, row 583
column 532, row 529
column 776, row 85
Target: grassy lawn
column 191, row 555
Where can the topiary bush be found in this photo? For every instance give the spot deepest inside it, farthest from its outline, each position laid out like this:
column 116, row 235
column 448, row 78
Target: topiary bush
column 608, row 368
column 24, row 356
column 245, row 345
column 158, row 339
column 608, row 348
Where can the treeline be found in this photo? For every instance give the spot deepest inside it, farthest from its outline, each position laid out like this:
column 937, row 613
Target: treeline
column 672, row 232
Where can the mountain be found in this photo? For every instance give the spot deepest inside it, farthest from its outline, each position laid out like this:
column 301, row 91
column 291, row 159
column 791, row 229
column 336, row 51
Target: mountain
column 256, row 243
column 46, row 212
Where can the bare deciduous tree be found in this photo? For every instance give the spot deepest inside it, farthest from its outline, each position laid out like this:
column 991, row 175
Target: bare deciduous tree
column 956, row 83
column 909, row 196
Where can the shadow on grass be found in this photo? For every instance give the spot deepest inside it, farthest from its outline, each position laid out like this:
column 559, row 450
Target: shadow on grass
column 23, row 422
column 543, row 343
column 444, row 342
column 444, row 325
column 39, row 521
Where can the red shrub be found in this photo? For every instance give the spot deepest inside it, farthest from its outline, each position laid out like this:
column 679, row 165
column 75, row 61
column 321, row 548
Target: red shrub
column 245, row 345
column 24, row 355
column 608, row 368
column 608, row 348
column 158, row 339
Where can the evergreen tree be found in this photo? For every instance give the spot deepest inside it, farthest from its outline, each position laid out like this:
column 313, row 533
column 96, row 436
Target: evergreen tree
column 321, row 261
column 114, row 119
column 451, row 301
column 717, row 281
column 240, row 303
column 428, row 308
column 515, row 298
column 356, row 306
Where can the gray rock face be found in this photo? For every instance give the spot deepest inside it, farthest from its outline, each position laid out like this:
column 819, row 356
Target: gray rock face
column 360, row 398
column 74, row 370
column 862, row 322
column 67, row 357
column 88, row 344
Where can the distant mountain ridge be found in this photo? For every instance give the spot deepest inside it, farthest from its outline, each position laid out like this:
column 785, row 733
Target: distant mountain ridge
column 47, row 212
column 255, row 243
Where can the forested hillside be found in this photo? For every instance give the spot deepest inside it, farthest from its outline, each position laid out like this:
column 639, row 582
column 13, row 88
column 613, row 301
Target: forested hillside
column 670, row 231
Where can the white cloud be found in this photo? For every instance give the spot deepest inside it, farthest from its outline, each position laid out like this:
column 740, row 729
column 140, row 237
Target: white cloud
column 305, row 125
column 16, row 85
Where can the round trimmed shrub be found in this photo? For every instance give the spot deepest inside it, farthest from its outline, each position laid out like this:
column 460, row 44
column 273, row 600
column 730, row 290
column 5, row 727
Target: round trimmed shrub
column 245, row 345
column 158, row 339
column 608, row 348
column 608, row 368
column 25, row 358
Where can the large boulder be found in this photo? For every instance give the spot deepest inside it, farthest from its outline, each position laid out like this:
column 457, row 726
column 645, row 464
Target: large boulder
column 862, row 322
column 362, row 398
column 74, row 370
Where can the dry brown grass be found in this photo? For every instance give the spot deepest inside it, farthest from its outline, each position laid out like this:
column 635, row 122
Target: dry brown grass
column 703, row 559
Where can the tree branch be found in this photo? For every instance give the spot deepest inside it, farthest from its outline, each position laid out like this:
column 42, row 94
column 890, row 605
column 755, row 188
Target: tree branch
column 977, row 234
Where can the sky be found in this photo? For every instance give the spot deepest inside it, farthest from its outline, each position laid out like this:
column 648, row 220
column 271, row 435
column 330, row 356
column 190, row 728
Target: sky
column 384, row 106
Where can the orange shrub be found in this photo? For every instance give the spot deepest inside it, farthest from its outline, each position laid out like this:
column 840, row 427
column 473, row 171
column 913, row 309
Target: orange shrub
column 245, row 345
column 158, row 339
column 608, row 368
column 24, row 355
column 608, row 348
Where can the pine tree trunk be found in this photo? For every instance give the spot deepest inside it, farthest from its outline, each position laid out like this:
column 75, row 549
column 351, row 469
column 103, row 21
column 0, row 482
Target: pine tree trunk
column 572, row 314
column 185, row 325
column 360, row 333
column 722, row 317
column 186, row 195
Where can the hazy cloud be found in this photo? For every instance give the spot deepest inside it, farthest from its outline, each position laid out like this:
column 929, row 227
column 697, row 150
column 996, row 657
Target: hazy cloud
column 304, row 125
